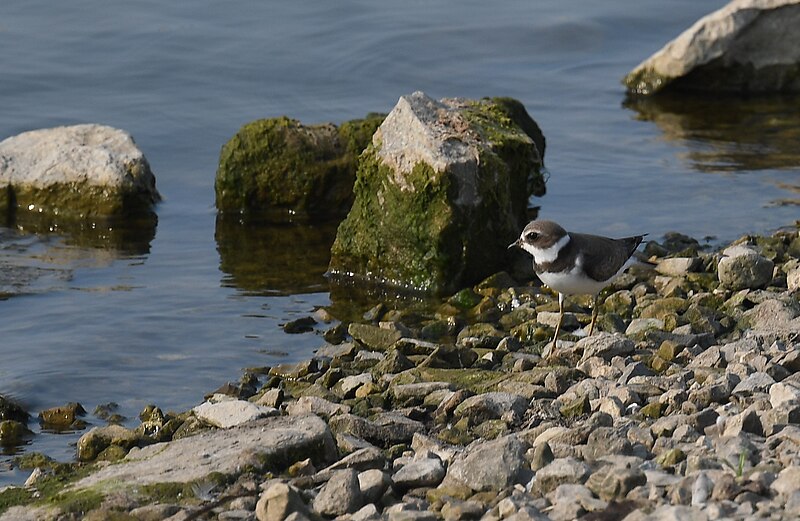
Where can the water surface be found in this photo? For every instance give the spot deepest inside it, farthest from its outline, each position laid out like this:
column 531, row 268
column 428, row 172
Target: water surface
column 175, row 318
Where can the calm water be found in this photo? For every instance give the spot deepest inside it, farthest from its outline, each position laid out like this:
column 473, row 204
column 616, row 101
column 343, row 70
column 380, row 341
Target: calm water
column 170, row 321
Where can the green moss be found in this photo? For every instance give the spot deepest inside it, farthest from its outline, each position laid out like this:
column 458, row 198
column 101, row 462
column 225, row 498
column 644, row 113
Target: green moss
column 419, row 236
column 14, row 496
column 279, row 169
column 475, row 380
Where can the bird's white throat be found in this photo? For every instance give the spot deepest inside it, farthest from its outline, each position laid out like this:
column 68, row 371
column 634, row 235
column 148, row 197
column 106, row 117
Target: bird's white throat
column 542, row 256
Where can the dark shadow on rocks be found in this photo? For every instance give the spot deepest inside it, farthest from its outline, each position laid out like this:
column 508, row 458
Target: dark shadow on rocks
column 727, row 133
column 274, row 259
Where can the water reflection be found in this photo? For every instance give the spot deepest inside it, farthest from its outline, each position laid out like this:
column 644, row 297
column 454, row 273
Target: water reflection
column 727, row 134
column 39, row 253
column 274, row 259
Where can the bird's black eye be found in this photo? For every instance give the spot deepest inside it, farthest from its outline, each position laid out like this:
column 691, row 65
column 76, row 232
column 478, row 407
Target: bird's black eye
column 531, row 236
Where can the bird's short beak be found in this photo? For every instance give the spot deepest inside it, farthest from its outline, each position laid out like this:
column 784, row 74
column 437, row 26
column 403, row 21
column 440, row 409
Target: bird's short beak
column 513, row 244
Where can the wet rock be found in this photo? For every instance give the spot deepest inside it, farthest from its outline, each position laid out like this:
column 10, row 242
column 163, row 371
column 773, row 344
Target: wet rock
column 404, row 196
column 78, row 172
column 13, row 433
column 91, row 444
column 748, row 46
column 427, row 472
column 278, row 501
column 489, row 465
column 387, row 429
column 373, row 483
column 744, row 268
column 10, row 410
column 299, row 325
column 278, row 169
column 560, row 471
column 230, row 413
column 340, row 495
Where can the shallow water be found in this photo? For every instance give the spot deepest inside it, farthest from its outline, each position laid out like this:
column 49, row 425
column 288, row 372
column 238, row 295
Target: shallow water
column 173, row 318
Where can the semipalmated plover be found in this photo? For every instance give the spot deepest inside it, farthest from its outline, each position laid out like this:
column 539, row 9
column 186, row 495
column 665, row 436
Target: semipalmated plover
column 575, row 263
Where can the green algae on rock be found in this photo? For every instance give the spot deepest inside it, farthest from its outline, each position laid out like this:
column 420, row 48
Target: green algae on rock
column 746, row 47
column 281, row 170
column 439, row 194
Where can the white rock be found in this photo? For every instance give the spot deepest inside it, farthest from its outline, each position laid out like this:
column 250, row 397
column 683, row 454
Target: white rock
column 81, row 157
column 755, row 42
column 677, row 266
column 781, row 394
column 230, row 413
column 793, row 280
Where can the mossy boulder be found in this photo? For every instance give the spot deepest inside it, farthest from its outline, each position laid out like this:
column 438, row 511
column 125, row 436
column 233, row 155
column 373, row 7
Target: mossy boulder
column 439, row 194
column 281, row 170
column 77, row 173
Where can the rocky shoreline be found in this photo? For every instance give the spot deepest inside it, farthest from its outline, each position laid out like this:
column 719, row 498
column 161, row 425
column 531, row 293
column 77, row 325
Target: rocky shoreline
column 685, row 406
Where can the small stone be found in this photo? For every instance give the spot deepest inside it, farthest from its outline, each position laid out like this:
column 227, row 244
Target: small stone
column 373, row 483
column 340, row 495
column 420, row 473
column 489, row 465
column 300, row 325
column 542, row 456
column 490, row 406
column 315, row 405
column 639, row 326
column 677, row 266
column 229, row 413
column 653, row 410
column 62, row 417
column 756, row 382
column 671, row 458
column 575, row 407
column 374, row 337
column 278, row 501
column 562, row 470
column 91, row 444
column 781, row 394
column 787, row 482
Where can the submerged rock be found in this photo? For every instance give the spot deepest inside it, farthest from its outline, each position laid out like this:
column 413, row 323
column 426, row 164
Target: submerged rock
column 440, row 192
column 79, row 172
column 748, row 46
column 280, row 170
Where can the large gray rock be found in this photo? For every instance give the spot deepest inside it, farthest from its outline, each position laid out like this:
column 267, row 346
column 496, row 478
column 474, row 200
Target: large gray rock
column 747, row 46
column 269, row 443
column 744, row 268
column 427, row 472
column 491, row 465
column 439, row 194
column 490, row 406
column 77, row 172
column 560, row 471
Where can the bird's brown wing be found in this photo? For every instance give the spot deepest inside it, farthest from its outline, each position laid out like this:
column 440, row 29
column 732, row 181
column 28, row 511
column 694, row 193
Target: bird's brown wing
column 606, row 256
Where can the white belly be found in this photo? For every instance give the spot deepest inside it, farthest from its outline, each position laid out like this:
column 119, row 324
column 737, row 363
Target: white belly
column 572, row 283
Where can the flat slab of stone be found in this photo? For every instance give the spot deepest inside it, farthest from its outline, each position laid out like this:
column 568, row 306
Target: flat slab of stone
column 747, row 46
column 270, row 442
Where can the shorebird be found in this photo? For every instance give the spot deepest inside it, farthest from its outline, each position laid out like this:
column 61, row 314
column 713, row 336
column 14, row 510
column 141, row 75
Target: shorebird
column 575, row 263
